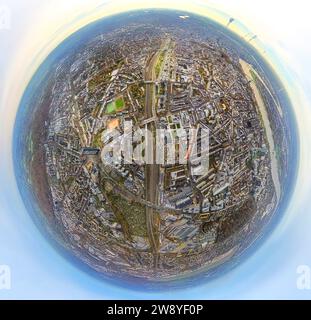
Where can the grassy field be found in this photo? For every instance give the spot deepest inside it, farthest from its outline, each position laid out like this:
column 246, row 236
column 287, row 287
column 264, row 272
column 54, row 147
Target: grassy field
column 111, row 107
column 132, row 214
column 115, row 106
column 119, row 104
column 159, row 63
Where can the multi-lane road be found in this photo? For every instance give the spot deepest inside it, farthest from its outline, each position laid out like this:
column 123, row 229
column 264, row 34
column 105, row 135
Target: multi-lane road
column 152, row 170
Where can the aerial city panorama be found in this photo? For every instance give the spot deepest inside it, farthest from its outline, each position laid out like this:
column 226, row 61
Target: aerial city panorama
column 154, row 146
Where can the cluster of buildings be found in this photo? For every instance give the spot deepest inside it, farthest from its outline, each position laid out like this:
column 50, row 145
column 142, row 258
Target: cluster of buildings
column 101, row 205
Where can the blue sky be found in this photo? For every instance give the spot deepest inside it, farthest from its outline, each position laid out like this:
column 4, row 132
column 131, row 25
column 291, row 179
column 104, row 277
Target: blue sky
column 37, row 271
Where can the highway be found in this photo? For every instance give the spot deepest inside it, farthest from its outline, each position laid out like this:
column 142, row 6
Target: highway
column 152, row 170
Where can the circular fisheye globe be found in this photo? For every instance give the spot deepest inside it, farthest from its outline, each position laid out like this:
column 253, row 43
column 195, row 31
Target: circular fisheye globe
column 155, row 148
